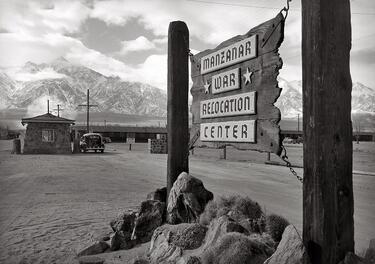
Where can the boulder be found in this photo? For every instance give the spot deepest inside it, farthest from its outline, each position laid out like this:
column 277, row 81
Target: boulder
column 93, row 249
column 169, row 241
column 290, row 250
column 351, row 258
column 233, row 248
column 121, row 240
column 123, row 222
column 159, row 195
column 90, row 260
column 149, row 218
column 189, row 260
column 187, row 200
column 370, row 252
column 104, row 237
column 141, row 261
column 219, row 227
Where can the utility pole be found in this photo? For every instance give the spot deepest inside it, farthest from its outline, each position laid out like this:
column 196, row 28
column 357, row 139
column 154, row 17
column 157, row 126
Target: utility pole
column 105, row 123
column 328, row 207
column 178, row 88
column 48, row 106
column 88, row 105
column 58, row 109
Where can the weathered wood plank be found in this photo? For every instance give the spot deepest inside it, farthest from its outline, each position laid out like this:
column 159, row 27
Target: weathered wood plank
column 178, row 87
column 328, row 230
column 265, row 69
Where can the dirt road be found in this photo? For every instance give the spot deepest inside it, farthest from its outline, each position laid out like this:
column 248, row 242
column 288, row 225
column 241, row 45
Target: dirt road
column 52, row 204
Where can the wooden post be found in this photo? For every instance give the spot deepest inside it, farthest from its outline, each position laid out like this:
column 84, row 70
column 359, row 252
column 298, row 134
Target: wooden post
column 268, row 156
column 88, row 112
column 16, row 146
column 225, row 152
column 328, row 229
column 178, row 87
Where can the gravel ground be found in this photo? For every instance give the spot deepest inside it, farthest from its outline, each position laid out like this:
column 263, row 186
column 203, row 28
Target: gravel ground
column 51, row 205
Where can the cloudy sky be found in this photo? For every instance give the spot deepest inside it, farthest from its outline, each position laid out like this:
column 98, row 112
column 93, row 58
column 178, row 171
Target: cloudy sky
column 128, row 38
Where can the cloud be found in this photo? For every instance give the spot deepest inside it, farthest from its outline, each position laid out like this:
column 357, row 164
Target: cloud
column 153, row 71
column 41, row 31
column 139, row 44
column 160, row 40
column 205, row 21
column 42, row 17
column 47, row 73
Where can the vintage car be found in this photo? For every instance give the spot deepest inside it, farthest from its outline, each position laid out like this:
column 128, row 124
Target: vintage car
column 91, row 141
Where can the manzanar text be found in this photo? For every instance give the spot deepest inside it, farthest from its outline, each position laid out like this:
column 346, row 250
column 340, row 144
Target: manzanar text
column 235, row 53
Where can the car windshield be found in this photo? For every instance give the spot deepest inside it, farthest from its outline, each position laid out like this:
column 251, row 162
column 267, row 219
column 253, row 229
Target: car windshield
column 93, row 140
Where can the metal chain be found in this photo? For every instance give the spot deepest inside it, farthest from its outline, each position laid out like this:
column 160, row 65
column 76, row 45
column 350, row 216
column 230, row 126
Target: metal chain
column 286, row 9
column 284, row 157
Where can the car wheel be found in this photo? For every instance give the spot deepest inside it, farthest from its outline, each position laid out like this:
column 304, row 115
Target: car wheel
column 102, row 151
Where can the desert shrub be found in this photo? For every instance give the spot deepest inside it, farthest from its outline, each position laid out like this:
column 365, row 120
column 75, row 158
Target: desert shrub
column 235, row 206
column 140, row 260
column 235, row 248
column 255, row 225
column 275, row 226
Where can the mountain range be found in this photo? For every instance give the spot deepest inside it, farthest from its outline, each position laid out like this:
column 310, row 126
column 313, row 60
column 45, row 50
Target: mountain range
column 66, row 84
column 290, row 100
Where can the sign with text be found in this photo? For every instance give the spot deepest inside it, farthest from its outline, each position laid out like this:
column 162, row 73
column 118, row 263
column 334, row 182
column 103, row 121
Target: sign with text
column 242, row 50
column 234, row 90
column 239, row 104
column 231, row 131
column 226, row 81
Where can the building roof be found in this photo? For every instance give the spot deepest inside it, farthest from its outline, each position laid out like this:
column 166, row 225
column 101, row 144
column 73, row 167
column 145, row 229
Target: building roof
column 128, row 129
column 47, row 118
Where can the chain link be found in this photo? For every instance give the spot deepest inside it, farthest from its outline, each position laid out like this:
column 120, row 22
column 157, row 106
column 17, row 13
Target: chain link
column 284, row 157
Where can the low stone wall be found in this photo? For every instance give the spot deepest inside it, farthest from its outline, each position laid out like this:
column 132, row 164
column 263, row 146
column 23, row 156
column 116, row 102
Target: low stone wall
column 158, row 146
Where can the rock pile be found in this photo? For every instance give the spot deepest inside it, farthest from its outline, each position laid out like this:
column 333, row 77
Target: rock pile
column 187, row 201
column 230, row 230
column 195, row 229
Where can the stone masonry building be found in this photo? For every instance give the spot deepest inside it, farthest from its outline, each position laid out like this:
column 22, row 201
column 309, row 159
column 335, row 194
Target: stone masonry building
column 47, row 134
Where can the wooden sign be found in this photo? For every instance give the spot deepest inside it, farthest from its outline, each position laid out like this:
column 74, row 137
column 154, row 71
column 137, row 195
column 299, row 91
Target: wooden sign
column 226, row 81
column 234, row 105
column 239, row 51
column 234, row 90
column 230, row 131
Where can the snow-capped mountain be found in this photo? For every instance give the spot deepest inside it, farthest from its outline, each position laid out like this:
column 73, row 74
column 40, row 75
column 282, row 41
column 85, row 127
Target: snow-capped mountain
column 363, row 99
column 7, row 87
column 66, row 84
column 290, row 100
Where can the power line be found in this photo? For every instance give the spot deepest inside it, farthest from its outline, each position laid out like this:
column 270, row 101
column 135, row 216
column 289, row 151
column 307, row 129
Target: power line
column 267, row 7
column 241, row 5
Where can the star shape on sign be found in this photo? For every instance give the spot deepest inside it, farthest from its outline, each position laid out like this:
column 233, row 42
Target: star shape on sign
column 247, row 76
column 206, row 88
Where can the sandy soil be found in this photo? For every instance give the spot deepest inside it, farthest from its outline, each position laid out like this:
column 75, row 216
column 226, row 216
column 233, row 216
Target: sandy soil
column 51, row 205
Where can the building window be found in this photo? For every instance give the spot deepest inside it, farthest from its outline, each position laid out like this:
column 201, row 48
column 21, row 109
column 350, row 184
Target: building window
column 48, row 135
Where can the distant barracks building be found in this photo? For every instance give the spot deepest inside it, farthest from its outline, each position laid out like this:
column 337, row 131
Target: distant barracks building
column 47, row 134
